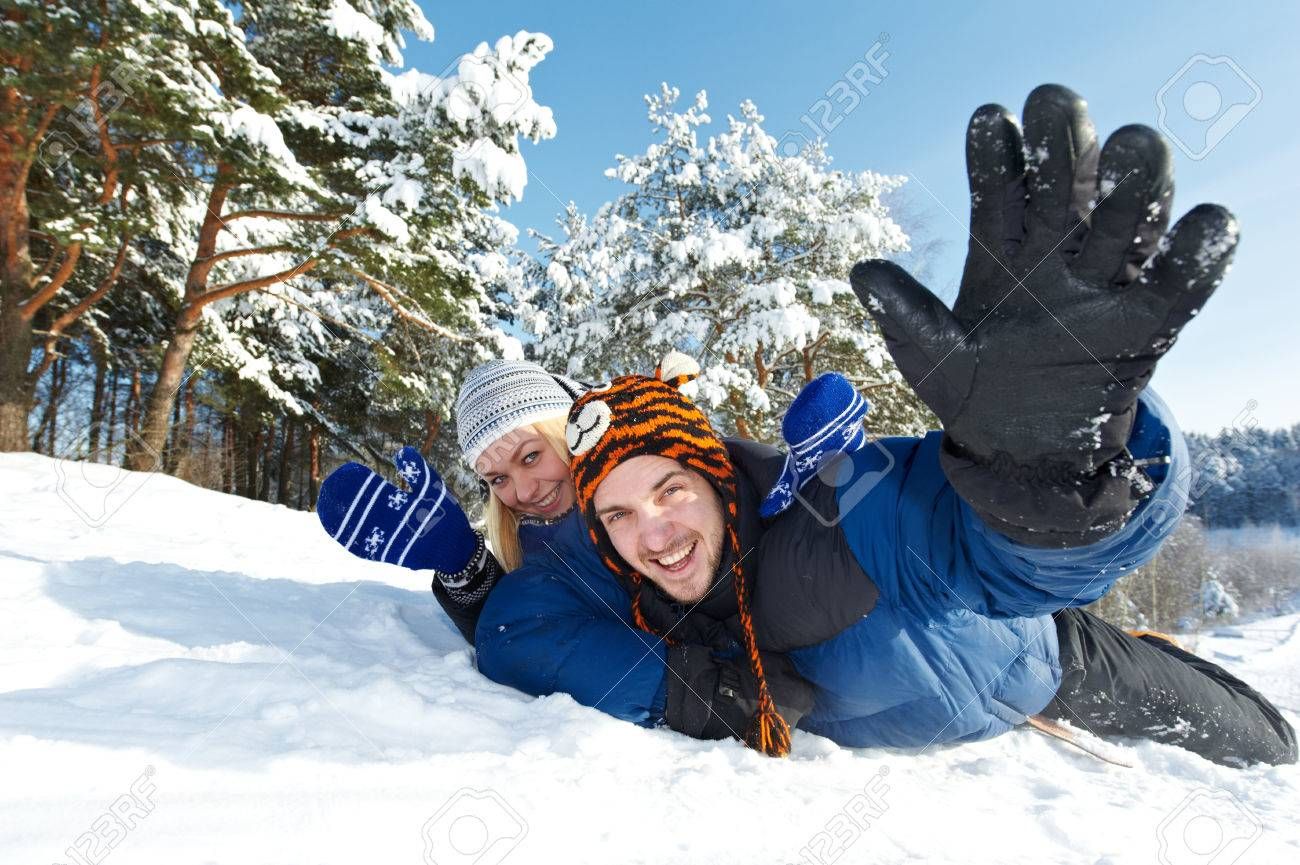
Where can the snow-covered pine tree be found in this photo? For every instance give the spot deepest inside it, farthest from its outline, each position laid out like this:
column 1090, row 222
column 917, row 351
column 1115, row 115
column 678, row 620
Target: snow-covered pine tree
column 319, row 165
column 730, row 251
column 1217, row 601
column 86, row 132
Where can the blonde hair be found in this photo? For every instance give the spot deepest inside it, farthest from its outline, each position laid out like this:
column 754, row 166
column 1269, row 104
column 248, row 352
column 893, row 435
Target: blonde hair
column 500, row 524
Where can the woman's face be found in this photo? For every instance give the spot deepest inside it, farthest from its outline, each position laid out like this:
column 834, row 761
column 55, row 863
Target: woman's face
column 526, row 474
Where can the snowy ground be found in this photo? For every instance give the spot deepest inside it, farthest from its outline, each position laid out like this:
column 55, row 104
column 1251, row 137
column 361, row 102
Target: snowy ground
column 192, row 677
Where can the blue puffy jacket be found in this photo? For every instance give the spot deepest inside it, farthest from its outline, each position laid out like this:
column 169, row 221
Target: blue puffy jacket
column 958, row 645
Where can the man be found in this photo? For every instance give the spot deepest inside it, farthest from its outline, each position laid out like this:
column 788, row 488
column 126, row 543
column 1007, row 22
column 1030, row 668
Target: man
column 923, row 612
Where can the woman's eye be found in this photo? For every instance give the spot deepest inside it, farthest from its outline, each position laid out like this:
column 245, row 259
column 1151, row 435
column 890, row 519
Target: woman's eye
column 531, row 457
column 496, row 481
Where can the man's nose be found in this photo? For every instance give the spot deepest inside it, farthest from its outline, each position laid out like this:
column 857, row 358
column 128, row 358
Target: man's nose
column 656, row 532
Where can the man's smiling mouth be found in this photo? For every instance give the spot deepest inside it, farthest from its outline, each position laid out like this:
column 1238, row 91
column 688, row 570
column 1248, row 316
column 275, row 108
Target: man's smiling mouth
column 677, row 561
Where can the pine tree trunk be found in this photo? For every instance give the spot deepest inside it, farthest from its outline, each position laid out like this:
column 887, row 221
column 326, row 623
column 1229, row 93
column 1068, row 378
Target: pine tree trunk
column 268, row 442
column 147, row 446
column 41, row 439
column 112, row 413
column 282, row 481
column 16, row 388
column 227, row 455
column 172, row 450
column 301, row 480
column 153, row 434
column 58, row 378
column 185, row 444
column 248, row 485
column 254, row 459
column 314, row 450
column 432, row 424
column 99, row 358
column 132, row 406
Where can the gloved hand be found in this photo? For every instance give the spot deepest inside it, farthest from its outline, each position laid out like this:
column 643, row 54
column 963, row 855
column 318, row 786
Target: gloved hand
column 715, row 698
column 418, row 528
column 824, row 421
column 1072, row 292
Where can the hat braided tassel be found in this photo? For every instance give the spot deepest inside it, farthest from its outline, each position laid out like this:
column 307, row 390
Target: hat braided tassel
column 768, row 732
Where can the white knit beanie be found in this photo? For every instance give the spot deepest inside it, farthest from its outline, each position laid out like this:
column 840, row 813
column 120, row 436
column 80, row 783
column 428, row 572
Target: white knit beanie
column 501, row 396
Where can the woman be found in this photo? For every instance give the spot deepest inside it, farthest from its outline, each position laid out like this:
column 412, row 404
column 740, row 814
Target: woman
column 510, row 418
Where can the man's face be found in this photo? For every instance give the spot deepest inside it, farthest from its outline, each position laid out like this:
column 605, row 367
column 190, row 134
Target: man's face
column 665, row 521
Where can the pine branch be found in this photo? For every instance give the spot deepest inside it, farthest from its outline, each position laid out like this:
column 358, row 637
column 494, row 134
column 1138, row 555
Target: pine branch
column 237, row 288
column 284, row 214
column 69, row 316
column 240, row 253
column 389, row 294
column 42, row 126
column 28, row 308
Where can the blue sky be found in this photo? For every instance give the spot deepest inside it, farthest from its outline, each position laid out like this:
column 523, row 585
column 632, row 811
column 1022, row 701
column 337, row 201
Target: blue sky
column 1241, row 355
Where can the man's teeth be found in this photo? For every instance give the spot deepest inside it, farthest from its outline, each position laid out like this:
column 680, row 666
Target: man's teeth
column 669, row 561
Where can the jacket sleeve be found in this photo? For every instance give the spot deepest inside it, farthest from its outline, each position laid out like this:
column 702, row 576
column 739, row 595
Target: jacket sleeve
column 927, row 549
column 463, row 595
column 543, row 635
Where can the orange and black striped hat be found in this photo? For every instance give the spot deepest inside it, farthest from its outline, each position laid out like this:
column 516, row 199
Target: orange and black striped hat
column 636, row 415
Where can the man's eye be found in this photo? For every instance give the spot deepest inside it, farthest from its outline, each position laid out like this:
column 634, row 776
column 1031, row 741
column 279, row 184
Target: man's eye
column 609, row 518
column 672, row 489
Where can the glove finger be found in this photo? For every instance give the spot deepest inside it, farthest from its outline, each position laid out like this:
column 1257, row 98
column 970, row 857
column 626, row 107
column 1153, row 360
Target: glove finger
column 995, row 168
column 1194, row 259
column 347, row 498
column 1136, row 192
column 921, row 333
column 1060, row 165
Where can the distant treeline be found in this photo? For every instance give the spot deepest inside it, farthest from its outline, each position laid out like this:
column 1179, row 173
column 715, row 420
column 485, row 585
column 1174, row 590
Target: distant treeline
column 1246, row 477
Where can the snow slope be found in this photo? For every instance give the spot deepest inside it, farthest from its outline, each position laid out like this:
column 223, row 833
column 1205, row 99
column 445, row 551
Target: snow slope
column 187, row 676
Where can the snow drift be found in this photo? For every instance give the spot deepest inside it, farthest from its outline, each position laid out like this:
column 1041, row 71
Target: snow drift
column 188, row 676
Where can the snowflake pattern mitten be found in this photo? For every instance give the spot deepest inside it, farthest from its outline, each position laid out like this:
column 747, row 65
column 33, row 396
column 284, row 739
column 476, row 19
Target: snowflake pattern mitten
column 824, row 420
column 419, row 528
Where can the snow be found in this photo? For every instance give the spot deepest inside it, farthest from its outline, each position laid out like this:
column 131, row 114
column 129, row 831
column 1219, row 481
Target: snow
column 499, row 172
column 346, row 22
column 203, row 678
column 386, row 220
column 263, row 133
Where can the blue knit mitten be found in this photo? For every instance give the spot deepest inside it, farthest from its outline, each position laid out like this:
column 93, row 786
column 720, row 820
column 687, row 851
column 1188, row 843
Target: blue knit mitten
column 825, row 419
column 419, row 528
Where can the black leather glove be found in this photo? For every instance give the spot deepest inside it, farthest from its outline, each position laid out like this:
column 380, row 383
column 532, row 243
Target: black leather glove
column 1072, row 291
column 715, row 698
